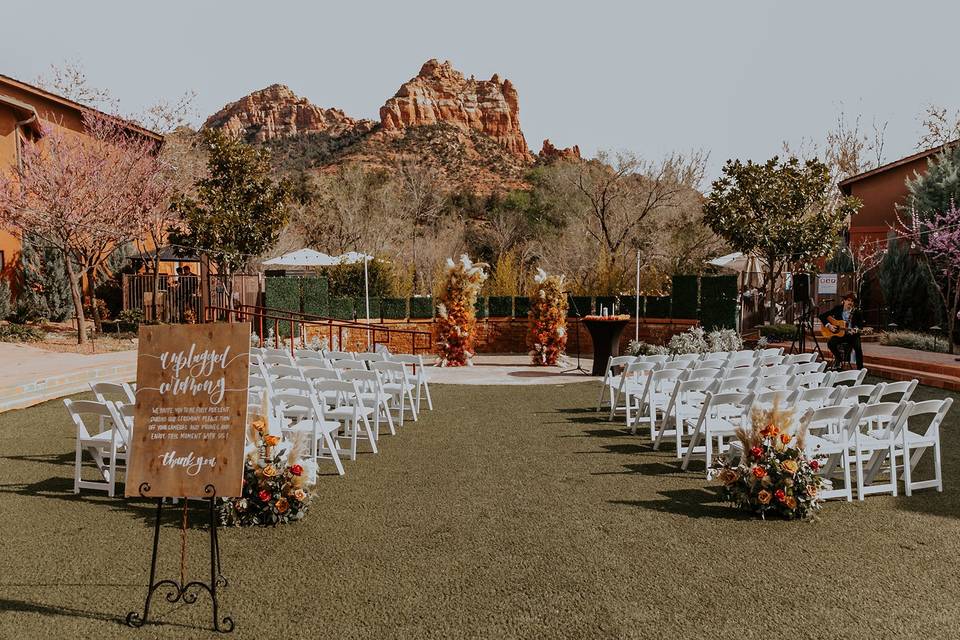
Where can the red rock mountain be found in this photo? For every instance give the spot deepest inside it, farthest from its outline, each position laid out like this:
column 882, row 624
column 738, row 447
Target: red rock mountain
column 441, row 94
column 277, row 112
column 550, row 153
column 469, row 129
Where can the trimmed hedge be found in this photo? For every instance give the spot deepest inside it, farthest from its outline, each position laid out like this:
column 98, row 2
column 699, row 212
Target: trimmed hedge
column 583, row 304
column 657, row 307
column 316, row 296
column 718, row 302
column 341, row 308
column 360, row 306
column 284, row 294
column 779, row 331
column 480, row 307
column 421, row 307
column 500, row 306
column 686, row 290
column 521, row 307
column 393, row 308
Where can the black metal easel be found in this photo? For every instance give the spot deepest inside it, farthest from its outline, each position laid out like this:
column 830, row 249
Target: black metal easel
column 805, row 326
column 576, row 313
column 181, row 590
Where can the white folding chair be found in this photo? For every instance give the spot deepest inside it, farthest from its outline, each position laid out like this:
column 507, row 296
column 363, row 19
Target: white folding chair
column 769, row 361
column 854, row 376
column 278, row 358
column 369, row 356
column 685, row 405
column 801, row 358
column 766, row 371
column 783, row 397
column 775, row 383
column 720, row 416
column 703, row 374
column 371, row 389
column 897, row 391
column 397, row 385
column 771, row 351
column 800, row 369
column 876, row 444
column 811, row 398
column 417, row 375
column 337, row 355
column 279, row 371
column 611, row 379
column 350, row 410
column 633, row 381
column 863, row 394
column 655, row 397
column 912, row 443
column 812, row 380
column 113, row 392
column 739, row 384
column 107, row 445
column 303, row 415
column 829, row 435
column 741, row 359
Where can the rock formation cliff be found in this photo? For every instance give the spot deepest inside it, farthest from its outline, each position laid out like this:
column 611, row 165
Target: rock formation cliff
column 550, row 153
column 441, row 94
column 277, row 112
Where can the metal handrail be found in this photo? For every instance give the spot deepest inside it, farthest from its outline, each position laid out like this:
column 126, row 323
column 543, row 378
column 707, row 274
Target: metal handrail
column 264, row 317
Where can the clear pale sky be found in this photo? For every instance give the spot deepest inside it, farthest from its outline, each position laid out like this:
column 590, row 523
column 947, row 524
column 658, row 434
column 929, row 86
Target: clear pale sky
column 734, row 78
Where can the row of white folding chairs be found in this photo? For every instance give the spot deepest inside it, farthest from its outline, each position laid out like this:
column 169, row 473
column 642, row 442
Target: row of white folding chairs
column 328, row 359
column 621, row 368
column 685, row 409
column 642, row 384
column 392, row 380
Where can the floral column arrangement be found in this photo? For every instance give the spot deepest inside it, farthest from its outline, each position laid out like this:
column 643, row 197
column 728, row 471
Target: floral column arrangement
column 548, row 320
column 457, row 318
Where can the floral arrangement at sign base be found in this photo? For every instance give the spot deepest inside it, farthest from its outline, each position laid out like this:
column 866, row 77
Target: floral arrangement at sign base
column 548, row 320
column 456, row 316
column 774, row 476
column 276, row 484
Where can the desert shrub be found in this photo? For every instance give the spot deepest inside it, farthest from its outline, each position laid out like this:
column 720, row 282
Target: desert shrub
column 778, row 331
column 6, row 303
column 20, row 333
column 916, row 340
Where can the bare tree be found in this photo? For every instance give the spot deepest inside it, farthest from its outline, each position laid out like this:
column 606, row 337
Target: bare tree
column 939, row 127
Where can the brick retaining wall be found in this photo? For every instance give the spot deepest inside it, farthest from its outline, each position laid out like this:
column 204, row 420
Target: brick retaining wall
column 505, row 335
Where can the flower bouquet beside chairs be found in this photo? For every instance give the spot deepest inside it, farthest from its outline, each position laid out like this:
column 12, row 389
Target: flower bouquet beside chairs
column 276, row 481
column 773, row 476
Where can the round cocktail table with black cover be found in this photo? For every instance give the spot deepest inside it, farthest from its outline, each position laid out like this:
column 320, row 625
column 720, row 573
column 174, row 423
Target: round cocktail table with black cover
column 605, row 333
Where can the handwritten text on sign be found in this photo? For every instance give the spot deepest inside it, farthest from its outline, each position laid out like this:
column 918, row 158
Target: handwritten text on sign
column 190, row 419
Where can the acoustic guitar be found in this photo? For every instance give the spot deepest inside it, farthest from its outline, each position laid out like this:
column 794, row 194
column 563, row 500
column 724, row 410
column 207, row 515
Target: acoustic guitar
column 841, row 329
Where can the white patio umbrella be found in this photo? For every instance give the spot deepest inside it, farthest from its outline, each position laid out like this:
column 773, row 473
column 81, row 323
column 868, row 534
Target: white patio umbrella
column 303, row 258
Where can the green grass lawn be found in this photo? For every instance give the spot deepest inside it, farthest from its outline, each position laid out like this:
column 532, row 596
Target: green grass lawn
column 508, row 512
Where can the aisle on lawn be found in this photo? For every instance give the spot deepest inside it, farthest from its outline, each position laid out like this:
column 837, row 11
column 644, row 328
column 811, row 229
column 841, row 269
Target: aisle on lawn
column 506, row 512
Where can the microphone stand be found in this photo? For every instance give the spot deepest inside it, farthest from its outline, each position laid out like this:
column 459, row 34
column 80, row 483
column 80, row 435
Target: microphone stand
column 576, row 313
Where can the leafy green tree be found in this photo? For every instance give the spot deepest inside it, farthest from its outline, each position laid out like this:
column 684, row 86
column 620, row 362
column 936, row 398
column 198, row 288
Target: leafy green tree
column 6, row 303
column 237, row 210
column 906, row 288
column 44, row 284
column 784, row 212
column 933, row 191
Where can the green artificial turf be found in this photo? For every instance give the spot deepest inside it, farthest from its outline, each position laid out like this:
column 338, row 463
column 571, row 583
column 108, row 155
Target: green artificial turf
column 508, row 512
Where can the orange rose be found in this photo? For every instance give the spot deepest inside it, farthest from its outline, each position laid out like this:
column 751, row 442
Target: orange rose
column 758, row 472
column 282, row 505
column 790, row 466
column 270, row 471
column 271, row 441
column 791, row 502
column 785, row 438
column 811, row 490
column 300, row 495
column 728, row 476
column 259, row 424
column 764, row 496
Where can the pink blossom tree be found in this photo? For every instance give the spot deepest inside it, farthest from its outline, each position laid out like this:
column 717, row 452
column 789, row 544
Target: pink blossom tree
column 84, row 194
column 938, row 237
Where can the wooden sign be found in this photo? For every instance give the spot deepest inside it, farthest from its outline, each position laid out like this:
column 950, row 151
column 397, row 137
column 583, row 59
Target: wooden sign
column 190, row 422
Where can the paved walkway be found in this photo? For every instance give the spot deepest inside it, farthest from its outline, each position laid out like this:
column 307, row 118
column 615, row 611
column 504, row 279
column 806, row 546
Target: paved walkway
column 507, row 370
column 30, row 375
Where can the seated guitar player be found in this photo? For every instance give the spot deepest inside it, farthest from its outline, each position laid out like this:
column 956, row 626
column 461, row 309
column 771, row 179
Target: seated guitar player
column 850, row 315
